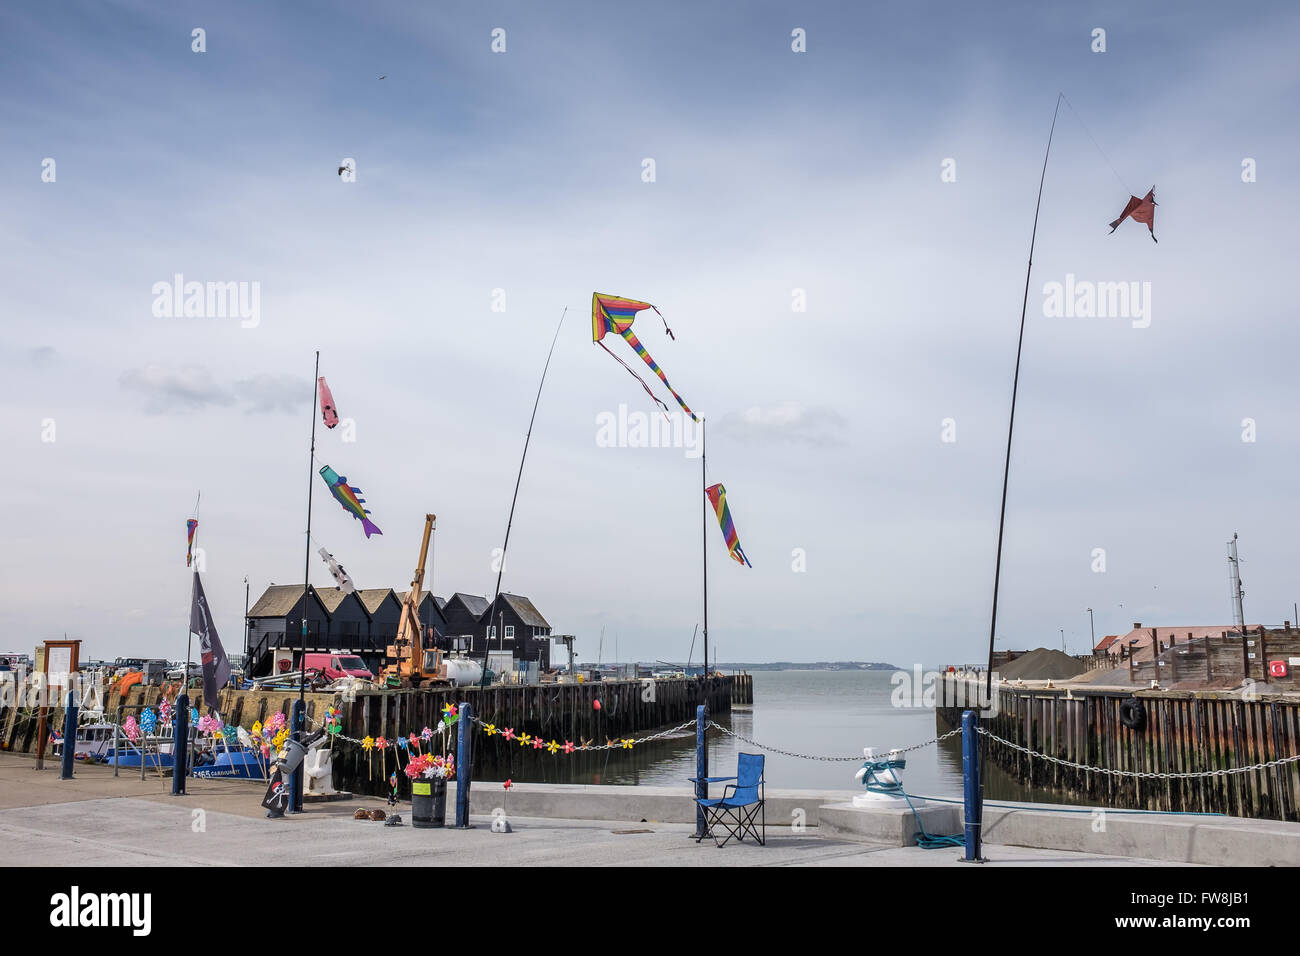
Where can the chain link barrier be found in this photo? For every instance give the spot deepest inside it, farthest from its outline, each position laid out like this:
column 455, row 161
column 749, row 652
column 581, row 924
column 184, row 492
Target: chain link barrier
column 827, row 759
column 1140, row 774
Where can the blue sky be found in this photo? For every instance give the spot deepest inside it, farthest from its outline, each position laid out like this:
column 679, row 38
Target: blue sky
column 775, row 171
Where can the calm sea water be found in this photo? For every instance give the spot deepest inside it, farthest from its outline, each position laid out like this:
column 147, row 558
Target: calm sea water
column 832, row 713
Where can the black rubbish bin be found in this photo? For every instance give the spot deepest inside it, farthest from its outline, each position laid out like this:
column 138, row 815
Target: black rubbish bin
column 429, row 803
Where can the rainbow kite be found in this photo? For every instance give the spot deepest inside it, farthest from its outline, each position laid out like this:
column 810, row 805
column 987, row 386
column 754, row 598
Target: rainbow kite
column 191, row 525
column 350, row 498
column 610, row 313
column 718, row 498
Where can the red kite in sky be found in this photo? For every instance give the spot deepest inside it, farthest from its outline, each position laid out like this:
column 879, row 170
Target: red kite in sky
column 1140, row 210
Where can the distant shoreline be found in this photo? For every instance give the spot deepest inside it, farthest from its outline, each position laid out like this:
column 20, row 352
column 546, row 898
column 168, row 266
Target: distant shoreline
column 785, row 666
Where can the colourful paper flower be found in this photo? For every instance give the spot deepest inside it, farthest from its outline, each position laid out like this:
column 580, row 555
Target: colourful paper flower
column 507, row 785
column 381, row 743
column 368, row 743
column 414, row 740
column 508, row 733
column 627, row 743
column 490, row 729
column 400, row 743
column 426, row 734
column 449, row 710
column 552, row 746
column 538, row 743
column 525, row 740
column 568, row 746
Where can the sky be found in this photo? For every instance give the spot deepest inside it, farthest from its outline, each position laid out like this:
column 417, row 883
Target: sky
column 837, row 236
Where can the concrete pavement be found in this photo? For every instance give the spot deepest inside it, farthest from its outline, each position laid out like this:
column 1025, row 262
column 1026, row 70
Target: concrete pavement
column 96, row 820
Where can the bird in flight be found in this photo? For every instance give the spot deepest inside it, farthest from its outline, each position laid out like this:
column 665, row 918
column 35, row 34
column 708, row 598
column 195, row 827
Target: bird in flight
column 344, row 169
column 384, row 77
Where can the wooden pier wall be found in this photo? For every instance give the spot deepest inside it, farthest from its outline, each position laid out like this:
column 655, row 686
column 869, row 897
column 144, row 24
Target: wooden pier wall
column 1185, row 732
column 562, row 711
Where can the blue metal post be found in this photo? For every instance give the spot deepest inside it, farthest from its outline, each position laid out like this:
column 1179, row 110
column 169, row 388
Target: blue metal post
column 464, row 754
column 970, row 770
column 701, row 766
column 298, row 720
column 69, row 735
column 181, row 746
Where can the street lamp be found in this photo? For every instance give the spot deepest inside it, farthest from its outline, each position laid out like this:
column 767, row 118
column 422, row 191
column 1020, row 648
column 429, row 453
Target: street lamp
column 1093, row 628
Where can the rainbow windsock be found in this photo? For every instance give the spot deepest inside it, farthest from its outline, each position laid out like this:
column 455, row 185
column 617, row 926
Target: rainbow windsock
column 718, row 498
column 612, row 313
column 191, row 526
column 349, row 497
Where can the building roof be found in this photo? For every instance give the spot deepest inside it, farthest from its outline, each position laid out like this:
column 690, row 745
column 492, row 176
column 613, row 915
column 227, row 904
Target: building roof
column 1138, row 640
column 331, row 597
column 372, row 598
column 526, row 611
column 441, row 602
column 1106, row 642
column 473, row 603
column 277, row 601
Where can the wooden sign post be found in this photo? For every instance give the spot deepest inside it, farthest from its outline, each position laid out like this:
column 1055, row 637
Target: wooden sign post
column 62, row 658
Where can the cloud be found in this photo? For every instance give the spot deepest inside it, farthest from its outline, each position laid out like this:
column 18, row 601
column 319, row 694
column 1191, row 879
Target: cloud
column 272, row 393
column 189, row 388
column 791, row 422
column 185, row 388
column 42, row 355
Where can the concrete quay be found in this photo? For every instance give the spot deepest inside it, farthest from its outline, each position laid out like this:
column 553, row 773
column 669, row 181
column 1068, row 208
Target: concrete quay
column 99, row 820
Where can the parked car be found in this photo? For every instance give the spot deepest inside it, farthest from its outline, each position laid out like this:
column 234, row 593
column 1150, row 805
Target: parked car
column 333, row 666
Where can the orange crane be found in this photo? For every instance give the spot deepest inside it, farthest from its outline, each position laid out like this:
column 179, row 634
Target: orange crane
column 412, row 664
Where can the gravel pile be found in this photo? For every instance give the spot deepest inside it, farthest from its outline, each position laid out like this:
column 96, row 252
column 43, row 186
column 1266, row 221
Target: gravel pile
column 1042, row 664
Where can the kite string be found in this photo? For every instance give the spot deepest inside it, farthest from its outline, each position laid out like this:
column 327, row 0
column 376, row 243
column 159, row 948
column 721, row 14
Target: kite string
column 1098, row 145
column 631, row 371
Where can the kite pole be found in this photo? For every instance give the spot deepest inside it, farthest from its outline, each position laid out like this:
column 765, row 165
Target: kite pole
column 1015, row 385
column 306, row 567
column 510, row 520
column 704, row 524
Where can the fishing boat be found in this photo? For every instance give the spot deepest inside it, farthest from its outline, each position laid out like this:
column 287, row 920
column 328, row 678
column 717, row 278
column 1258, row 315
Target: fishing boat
column 128, row 754
column 93, row 741
column 235, row 762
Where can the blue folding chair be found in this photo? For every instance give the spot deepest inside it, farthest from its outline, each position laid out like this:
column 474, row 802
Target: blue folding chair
column 740, row 809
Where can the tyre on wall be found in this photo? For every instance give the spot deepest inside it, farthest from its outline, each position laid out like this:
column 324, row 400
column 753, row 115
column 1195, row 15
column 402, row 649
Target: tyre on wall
column 1133, row 714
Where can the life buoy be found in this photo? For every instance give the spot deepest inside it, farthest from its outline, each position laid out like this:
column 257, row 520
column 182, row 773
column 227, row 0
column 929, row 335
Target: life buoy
column 1133, row 714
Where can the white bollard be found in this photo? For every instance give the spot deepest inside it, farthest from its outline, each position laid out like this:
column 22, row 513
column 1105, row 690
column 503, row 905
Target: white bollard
column 876, row 800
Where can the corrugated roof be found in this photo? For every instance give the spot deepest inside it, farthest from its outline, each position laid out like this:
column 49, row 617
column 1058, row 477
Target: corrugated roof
column 526, row 611
column 277, row 601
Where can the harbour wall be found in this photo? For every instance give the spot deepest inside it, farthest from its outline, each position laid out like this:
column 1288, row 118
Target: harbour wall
column 1184, row 732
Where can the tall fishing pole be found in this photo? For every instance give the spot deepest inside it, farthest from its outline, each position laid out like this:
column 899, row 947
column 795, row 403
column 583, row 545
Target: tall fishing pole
column 1015, row 385
column 511, row 520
